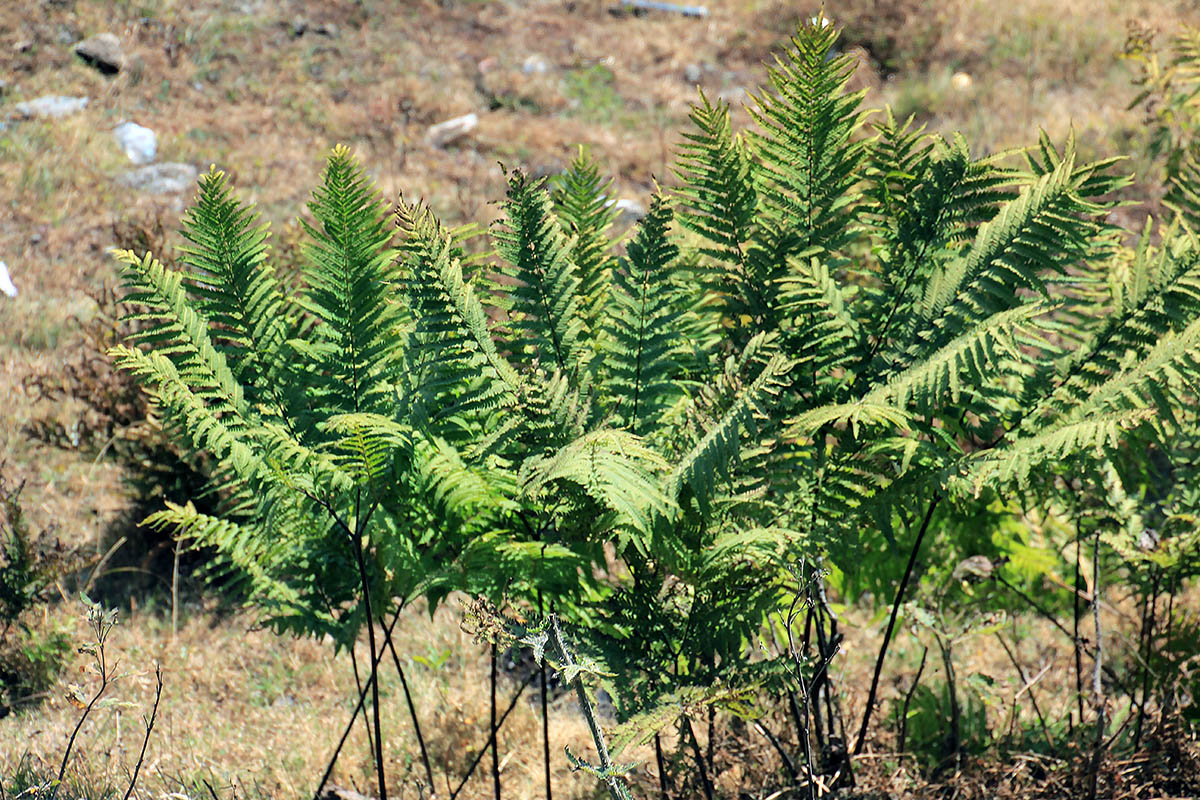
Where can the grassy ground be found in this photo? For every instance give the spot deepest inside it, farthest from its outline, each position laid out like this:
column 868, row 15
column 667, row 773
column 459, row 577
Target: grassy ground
column 262, row 88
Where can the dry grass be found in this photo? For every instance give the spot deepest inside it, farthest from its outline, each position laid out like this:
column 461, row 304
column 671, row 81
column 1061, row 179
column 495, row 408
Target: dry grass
column 228, row 82
column 258, row 714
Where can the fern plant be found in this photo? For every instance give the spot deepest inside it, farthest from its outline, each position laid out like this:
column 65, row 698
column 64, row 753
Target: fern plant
column 827, row 339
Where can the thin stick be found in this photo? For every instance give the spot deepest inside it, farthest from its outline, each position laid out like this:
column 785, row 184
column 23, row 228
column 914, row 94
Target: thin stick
column 495, row 746
column 1027, row 684
column 1149, row 636
column 708, row 791
column 545, row 690
column 1075, row 636
column 376, row 654
column 891, row 626
column 1097, row 684
column 616, row 787
column 412, row 711
column 362, row 699
column 149, row 728
column 787, row 760
column 908, row 696
column 662, row 768
column 479, row 754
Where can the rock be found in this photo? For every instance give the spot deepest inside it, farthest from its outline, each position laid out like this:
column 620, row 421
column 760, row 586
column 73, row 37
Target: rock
column 3, row 87
column 535, row 65
column 338, row 793
column 139, row 143
column 451, row 130
column 301, row 26
column 642, row 6
column 692, row 73
column 67, row 36
column 629, row 210
column 6, row 284
column 160, row 178
column 102, row 51
column 734, row 96
column 961, row 81
column 51, row 106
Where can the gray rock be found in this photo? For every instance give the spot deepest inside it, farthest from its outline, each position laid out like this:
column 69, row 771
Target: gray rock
column 692, row 73
column 734, row 96
column 6, row 284
column 451, row 130
column 139, row 143
column 51, row 106
column 102, row 51
column 629, row 210
column 160, row 178
column 67, row 36
column 535, row 65
column 674, row 8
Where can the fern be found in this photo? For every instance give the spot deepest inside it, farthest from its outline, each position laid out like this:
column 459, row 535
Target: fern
column 546, row 300
column 583, row 204
column 642, row 326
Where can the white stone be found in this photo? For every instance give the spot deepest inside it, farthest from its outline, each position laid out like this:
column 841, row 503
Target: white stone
column 961, row 81
column 51, row 106
column 139, row 143
column 446, row 132
column 535, row 65
column 630, row 210
column 6, row 284
column 160, row 178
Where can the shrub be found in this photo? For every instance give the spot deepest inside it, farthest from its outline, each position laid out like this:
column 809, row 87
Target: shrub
column 31, row 655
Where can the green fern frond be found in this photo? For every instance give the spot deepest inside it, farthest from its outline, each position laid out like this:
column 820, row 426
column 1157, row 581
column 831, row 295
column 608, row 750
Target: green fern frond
column 178, row 332
column 229, row 274
column 821, row 332
column 712, row 457
column 965, row 363
column 807, row 148
column 582, row 201
column 367, row 445
column 642, row 326
column 1035, row 236
column 1016, row 461
column 1155, row 293
column 614, row 468
column 246, row 547
column 457, row 367
column 205, row 426
column 718, row 196
column 350, row 274
column 546, row 303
